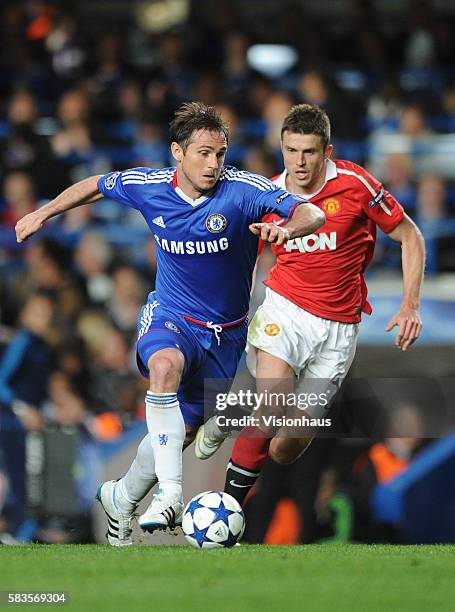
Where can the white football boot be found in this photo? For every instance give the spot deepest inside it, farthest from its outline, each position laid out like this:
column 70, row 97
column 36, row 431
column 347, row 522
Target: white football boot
column 165, row 512
column 208, row 440
column 119, row 523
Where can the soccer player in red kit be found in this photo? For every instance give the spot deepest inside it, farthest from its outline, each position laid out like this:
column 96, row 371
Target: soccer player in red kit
column 304, row 334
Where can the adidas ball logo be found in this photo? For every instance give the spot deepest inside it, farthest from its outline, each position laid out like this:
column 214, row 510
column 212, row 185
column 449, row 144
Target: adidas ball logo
column 159, row 221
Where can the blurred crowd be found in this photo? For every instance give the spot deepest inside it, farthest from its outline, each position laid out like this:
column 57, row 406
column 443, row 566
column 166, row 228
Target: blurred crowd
column 78, row 98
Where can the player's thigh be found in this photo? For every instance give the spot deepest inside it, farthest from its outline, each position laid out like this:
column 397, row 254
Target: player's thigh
column 165, row 337
column 285, row 331
column 275, row 381
column 326, row 371
column 271, row 367
column 198, row 392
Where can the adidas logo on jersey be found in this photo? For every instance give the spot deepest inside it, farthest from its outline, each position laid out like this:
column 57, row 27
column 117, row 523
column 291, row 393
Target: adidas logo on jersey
column 159, row 221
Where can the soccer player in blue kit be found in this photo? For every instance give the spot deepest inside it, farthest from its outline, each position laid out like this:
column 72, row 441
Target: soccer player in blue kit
column 205, row 220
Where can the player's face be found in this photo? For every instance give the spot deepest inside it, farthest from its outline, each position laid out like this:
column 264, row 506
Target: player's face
column 199, row 166
column 305, row 161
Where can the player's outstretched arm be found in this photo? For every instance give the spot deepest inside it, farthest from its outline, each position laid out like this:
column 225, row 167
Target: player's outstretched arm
column 83, row 192
column 408, row 318
column 307, row 218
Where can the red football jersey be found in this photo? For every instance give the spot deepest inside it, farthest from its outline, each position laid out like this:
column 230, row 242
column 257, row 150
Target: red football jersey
column 324, row 272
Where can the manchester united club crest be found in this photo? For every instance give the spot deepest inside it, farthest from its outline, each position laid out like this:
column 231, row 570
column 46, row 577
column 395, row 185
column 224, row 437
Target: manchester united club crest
column 331, row 206
column 216, row 223
column 272, row 329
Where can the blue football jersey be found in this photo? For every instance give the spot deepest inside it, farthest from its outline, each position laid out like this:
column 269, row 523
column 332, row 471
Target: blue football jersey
column 205, row 251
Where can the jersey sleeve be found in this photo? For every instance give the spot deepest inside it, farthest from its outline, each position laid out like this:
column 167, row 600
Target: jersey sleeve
column 380, row 206
column 262, row 197
column 124, row 187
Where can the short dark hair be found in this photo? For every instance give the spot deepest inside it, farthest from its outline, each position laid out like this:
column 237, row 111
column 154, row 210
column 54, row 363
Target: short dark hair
column 193, row 116
column 308, row 119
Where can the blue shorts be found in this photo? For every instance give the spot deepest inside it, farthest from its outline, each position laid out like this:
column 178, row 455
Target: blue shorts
column 209, row 366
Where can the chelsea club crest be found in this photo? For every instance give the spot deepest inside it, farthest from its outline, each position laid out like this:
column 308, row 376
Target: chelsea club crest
column 216, row 223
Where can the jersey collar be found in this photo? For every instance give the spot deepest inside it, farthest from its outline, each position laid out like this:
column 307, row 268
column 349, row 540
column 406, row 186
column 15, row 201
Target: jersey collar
column 187, row 199
column 330, row 173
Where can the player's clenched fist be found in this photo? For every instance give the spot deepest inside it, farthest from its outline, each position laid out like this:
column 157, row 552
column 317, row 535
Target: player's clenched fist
column 269, row 232
column 29, row 225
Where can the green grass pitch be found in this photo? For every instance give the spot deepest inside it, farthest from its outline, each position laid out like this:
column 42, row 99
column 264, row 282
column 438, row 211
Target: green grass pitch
column 327, row 577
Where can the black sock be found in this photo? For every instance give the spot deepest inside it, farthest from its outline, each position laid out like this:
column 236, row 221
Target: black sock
column 239, row 481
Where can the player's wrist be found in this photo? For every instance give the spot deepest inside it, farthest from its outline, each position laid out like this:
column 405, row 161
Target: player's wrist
column 410, row 305
column 288, row 232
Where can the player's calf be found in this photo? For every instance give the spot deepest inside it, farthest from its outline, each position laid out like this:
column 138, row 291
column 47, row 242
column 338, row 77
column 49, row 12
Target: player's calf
column 247, row 458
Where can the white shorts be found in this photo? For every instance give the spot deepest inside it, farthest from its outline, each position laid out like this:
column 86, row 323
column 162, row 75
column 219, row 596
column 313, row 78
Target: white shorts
column 318, row 350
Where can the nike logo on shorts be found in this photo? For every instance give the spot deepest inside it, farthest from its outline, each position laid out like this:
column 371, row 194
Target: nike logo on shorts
column 234, row 484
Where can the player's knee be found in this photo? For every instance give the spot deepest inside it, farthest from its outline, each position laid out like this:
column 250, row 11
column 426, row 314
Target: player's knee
column 284, row 453
column 165, row 370
column 281, row 453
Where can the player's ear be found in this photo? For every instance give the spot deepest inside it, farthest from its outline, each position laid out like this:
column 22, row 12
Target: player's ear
column 328, row 151
column 177, row 151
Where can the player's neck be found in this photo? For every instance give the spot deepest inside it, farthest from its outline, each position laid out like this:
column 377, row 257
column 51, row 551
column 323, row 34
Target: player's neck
column 187, row 187
column 308, row 189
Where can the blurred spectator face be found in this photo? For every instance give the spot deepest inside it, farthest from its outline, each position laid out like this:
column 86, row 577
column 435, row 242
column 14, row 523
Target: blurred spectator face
column 399, row 167
column 37, row 315
column 59, row 385
column 69, row 409
column 72, row 356
column 127, row 285
column 19, row 196
column 94, row 327
column 305, row 161
column 313, row 88
column 207, row 89
column 18, row 187
column 171, row 49
column 156, row 93
column 150, row 130
column 115, row 355
column 431, row 198
column 406, row 429
column 260, row 160
column 277, row 107
column 449, row 100
column 229, row 117
column 236, row 47
column 72, row 107
column 412, row 122
column 110, row 49
column 130, row 99
column 22, row 108
column 93, row 254
column 46, row 272
column 258, row 93
column 77, row 218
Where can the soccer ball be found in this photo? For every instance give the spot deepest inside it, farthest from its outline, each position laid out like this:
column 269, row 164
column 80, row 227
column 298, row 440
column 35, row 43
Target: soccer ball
column 213, row 519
